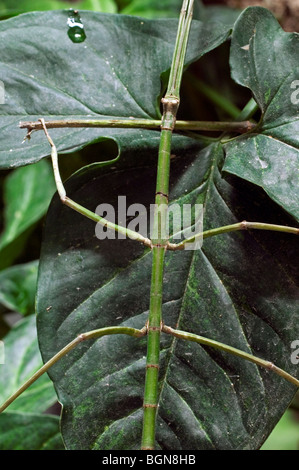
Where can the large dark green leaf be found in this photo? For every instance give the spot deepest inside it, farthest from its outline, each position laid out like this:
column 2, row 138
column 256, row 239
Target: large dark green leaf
column 265, row 59
column 115, row 72
column 239, row 289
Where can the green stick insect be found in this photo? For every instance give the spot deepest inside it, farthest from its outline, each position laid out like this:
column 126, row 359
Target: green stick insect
column 160, row 244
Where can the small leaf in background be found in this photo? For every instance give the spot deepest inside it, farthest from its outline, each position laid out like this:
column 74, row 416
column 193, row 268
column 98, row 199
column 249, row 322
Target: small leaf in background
column 19, row 431
column 22, row 359
column 18, row 288
column 285, row 436
column 27, row 194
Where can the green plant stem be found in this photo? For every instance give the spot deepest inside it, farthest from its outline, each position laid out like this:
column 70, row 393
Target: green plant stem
column 105, row 223
column 248, row 111
column 214, row 126
column 82, row 210
column 231, row 228
column 236, row 352
column 153, row 351
column 159, row 240
column 214, row 96
column 113, row 330
column 234, row 126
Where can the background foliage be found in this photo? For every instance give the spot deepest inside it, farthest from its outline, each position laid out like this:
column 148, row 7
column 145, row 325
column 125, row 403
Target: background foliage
column 26, row 194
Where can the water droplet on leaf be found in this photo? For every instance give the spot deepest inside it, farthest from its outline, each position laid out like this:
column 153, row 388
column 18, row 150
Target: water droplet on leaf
column 76, row 31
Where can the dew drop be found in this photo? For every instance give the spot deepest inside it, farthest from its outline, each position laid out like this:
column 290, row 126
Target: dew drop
column 76, row 31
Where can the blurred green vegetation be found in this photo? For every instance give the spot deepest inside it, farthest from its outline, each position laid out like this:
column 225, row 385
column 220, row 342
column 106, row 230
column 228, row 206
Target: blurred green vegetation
column 285, row 435
column 21, row 232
